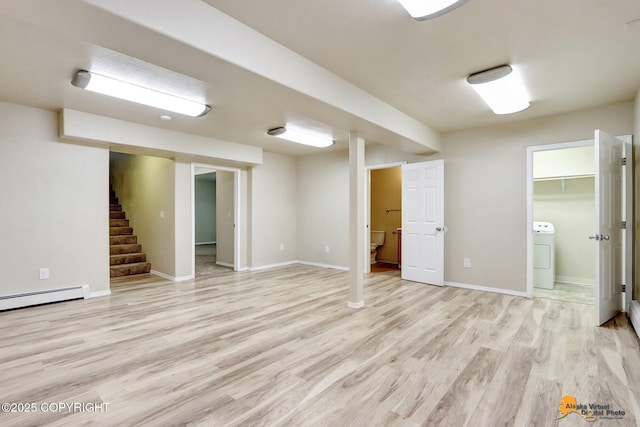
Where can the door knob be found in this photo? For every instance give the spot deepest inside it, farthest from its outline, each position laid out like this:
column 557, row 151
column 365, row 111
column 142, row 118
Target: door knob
column 438, row 228
column 596, row 237
column 599, row 237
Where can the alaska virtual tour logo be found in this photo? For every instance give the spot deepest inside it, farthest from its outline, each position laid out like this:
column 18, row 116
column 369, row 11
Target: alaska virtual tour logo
column 590, row 412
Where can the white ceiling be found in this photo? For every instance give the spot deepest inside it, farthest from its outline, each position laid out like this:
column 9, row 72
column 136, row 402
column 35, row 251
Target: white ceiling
column 573, row 54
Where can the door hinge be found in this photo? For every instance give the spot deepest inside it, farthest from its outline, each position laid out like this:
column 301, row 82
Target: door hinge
column 624, row 161
column 623, row 225
column 624, row 288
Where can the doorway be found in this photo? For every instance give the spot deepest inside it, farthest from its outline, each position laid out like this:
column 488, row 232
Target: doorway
column 206, row 212
column 216, row 219
column 563, row 215
column 613, row 189
column 384, row 218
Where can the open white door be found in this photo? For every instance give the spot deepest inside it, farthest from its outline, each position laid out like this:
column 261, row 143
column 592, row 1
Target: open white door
column 608, row 233
column 423, row 222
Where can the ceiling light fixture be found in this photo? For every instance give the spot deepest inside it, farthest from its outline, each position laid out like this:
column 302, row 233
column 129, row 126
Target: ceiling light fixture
column 134, row 93
column 428, row 9
column 501, row 88
column 301, row 136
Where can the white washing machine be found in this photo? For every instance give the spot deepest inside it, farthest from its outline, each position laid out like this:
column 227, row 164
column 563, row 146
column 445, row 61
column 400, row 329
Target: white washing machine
column 544, row 264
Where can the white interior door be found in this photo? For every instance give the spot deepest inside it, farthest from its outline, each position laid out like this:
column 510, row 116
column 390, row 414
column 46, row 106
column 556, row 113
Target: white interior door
column 608, row 233
column 423, row 222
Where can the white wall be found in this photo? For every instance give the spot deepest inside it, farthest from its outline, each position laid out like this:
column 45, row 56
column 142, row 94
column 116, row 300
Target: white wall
column 54, row 206
column 273, row 211
column 485, row 194
column 323, row 208
column 184, row 261
column 146, row 188
column 225, row 218
column 576, row 161
column 571, row 209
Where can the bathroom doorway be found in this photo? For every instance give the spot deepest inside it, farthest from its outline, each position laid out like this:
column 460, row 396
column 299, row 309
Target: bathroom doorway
column 563, row 217
column 384, row 219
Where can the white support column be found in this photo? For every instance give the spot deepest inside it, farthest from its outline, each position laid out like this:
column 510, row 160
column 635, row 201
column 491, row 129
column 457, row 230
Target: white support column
column 356, row 220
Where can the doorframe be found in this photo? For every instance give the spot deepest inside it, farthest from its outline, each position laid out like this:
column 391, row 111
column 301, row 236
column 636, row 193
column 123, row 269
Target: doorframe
column 367, row 210
column 236, row 212
column 628, row 196
column 529, row 224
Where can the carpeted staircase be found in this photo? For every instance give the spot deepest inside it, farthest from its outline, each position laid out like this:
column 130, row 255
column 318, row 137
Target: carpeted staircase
column 126, row 256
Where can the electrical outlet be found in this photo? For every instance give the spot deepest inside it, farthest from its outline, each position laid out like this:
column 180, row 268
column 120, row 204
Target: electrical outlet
column 44, row 273
column 326, row 249
column 281, row 246
column 467, row 263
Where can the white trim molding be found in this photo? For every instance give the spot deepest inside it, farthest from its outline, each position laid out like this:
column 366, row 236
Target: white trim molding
column 316, row 264
column 355, row 305
column 576, row 280
column 487, row 289
column 268, row 266
column 99, row 294
column 173, row 279
column 225, row 264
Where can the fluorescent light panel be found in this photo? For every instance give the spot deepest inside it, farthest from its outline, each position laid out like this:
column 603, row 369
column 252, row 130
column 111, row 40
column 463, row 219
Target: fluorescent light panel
column 301, row 136
column 141, row 95
column 501, row 88
column 428, row 9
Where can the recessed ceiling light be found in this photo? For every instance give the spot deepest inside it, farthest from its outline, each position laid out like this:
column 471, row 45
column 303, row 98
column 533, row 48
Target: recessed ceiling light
column 501, row 88
column 428, row 9
column 134, row 93
column 301, row 136
column 165, row 118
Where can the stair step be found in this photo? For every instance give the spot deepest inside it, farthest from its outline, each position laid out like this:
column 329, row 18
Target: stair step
column 112, row 193
column 130, row 269
column 123, row 240
column 127, row 259
column 117, row 215
column 119, row 231
column 113, row 200
column 113, row 208
column 118, row 223
column 125, row 249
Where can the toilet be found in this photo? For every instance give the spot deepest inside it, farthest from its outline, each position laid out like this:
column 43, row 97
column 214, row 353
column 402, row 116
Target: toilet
column 377, row 240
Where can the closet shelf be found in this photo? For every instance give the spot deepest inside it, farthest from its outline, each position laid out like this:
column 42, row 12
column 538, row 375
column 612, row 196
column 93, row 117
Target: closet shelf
column 561, row 178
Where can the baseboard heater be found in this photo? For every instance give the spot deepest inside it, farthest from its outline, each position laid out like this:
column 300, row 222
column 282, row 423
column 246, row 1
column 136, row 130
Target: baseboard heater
column 8, row 302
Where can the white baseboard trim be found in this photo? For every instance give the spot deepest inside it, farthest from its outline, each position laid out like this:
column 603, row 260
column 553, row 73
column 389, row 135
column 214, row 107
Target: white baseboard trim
column 486, row 289
column 205, row 243
column 173, row 279
column 265, row 267
column 99, row 294
column 315, row 264
column 355, row 304
column 575, row 280
column 634, row 315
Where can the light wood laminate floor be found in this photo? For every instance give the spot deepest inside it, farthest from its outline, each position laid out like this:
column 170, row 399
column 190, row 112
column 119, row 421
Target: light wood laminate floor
column 280, row 348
